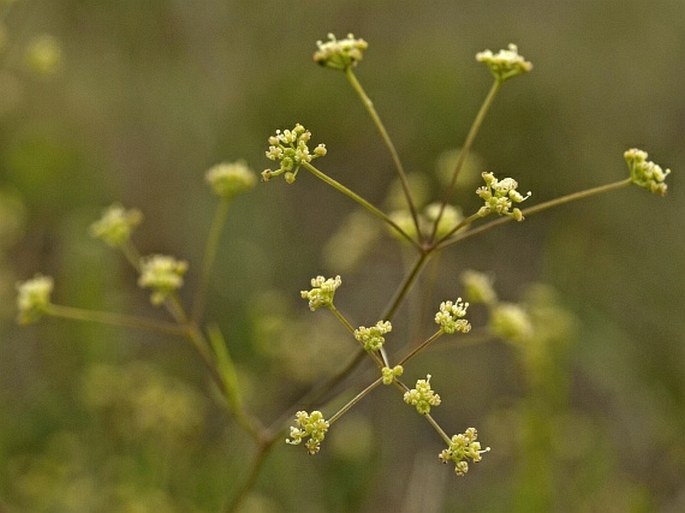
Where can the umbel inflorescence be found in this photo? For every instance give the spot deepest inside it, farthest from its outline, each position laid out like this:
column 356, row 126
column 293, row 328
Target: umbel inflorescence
column 428, row 228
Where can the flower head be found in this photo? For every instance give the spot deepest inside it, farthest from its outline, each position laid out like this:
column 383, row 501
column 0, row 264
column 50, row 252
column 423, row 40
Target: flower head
column 340, row 54
column 228, row 179
column 389, row 375
column 33, row 298
column 422, row 397
column 463, row 447
column 504, row 64
column 290, row 149
column 163, row 274
column 451, row 315
column 116, row 225
column 645, row 173
column 312, row 426
column 499, row 196
column 322, row 292
column 372, row 338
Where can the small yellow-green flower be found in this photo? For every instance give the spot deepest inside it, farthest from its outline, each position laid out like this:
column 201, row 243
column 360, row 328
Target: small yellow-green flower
column 290, row 148
column 312, row 426
column 340, row 54
column 463, row 447
column 163, row 274
column 372, row 338
column 389, row 375
column 33, row 298
column 504, row 64
column 451, row 315
column 322, row 292
column 229, row 179
column 116, row 225
column 422, row 397
column 645, row 173
column 499, row 197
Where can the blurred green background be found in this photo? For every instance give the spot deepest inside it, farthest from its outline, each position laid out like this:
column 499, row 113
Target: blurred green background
column 132, row 101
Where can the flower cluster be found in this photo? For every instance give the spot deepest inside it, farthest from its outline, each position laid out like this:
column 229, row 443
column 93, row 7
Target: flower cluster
column 322, row 292
column 33, row 298
column 478, row 287
column 463, row 447
column 163, row 274
column 228, row 179
column 451, row 315
column 645, row 173
column 116, row 225
column 340, row 54
column 511, row 322
column 499, row 197
column 372, row 338
column 504, row 64
column 389, row 375
column 423, row 396
column 312, row 426
column 290, row 149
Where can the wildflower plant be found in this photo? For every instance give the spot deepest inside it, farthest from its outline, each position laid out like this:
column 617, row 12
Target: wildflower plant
column 425, row 232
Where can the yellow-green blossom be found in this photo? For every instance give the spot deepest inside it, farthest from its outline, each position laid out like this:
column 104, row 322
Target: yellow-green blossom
column 340, row 54
column 33, row 298
column 322, row 292
column 290, row 149
column 422, row 396
column 372, row 338
column 389, row 375
column 645, row 173
column 451, row 315
column 463, row 447
column 504, row 64
column 312, row 426
column 499, row 197
column 163, row 274
column 116, row 225
column 228, row 179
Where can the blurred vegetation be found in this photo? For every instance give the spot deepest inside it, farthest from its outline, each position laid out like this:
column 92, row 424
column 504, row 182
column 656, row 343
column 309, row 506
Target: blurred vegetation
column 130, row 101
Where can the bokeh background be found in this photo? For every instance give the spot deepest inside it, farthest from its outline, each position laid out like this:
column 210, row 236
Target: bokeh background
column 121, row 100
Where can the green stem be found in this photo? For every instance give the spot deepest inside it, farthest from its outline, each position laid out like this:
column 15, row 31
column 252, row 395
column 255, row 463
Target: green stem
column 535, row 209
column 471, row 136
column 405, row 286
column 131, row 254
column 437, row 428
column 356, row 197
column 211, row 247
column 421, row 347
column 127, row 321
column 355, row 400
column 258, row 461
column 462, row 224
column 368, row 105
column 404, row 388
